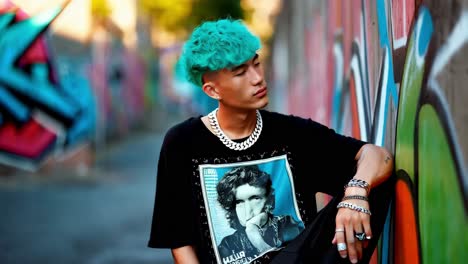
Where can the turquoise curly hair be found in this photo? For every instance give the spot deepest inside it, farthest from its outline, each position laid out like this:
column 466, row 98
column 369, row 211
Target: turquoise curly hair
column 216, row 45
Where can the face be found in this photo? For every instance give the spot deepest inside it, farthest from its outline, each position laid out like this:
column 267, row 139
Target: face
column 243, row 86
column 250, row 201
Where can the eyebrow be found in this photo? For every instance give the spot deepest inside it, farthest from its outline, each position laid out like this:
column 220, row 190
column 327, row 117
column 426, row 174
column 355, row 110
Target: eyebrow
column 243, row 65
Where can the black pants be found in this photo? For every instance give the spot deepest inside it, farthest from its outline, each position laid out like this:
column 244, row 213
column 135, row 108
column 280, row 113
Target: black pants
column 314, row 245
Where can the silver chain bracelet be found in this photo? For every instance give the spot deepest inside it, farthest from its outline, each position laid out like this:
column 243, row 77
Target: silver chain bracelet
column 357, row 197
column 353, row 207
column 358, row 183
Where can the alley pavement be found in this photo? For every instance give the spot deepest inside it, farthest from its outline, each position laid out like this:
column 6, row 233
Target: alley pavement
column 102, row 216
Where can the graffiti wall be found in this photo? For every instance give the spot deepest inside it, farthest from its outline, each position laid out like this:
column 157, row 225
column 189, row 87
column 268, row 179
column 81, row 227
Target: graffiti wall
column 393, row 73
column 36, row 111
column 52, row 104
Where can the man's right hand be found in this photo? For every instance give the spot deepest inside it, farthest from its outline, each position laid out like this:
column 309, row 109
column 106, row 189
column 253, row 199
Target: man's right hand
column 254, row 233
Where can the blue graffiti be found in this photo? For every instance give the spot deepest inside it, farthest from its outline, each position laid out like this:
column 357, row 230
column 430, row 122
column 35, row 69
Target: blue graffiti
column 27, row 90
column 389, row 90
column 35, row 86
column 79, row 87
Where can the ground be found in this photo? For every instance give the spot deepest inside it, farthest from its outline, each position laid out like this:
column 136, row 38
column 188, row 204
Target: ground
column 99, row 216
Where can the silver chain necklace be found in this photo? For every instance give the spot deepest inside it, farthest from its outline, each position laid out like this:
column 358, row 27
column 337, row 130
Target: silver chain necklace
column 227, row 141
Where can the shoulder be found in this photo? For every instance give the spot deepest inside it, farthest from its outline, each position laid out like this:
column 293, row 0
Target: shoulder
column 181, row 131
column 275, row 116
column 292, row 121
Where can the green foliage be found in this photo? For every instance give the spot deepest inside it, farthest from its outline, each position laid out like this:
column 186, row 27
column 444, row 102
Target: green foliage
column 168, row 15
column 184, row 15
column 100, row 8
column 204, row 10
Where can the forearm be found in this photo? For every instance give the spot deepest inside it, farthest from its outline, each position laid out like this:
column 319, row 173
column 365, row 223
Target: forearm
column 184, row 255
column 374, row 164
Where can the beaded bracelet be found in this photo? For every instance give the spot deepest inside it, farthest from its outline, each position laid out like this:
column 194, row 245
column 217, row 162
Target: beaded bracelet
column 357, row 197
column 353, row 207
column 358, row 183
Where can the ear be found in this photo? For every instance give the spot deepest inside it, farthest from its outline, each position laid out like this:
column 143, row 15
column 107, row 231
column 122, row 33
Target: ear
column 210, row 89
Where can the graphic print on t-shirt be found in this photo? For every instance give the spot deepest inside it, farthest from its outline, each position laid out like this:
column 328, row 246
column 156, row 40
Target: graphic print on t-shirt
column 251, row 208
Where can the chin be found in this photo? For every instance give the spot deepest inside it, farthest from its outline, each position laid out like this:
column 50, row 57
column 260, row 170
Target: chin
column 264, row 104
column 259, row 104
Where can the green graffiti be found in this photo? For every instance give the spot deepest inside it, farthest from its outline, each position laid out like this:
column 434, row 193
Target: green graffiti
column 441, row 213
column 408, row 104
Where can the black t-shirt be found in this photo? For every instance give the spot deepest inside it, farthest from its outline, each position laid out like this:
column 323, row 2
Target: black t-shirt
column 300, row 157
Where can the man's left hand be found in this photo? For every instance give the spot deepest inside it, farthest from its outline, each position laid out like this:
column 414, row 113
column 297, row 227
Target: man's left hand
column 349, row 223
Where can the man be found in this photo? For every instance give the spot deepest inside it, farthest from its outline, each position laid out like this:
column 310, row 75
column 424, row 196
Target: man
column 247, row 196
column 221, row 57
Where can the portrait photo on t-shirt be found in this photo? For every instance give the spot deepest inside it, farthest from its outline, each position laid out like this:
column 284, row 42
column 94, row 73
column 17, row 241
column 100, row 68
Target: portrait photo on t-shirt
column 251, row 207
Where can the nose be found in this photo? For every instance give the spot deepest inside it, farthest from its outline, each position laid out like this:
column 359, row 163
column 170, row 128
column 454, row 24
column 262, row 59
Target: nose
column 256, row 76
column 248, row 211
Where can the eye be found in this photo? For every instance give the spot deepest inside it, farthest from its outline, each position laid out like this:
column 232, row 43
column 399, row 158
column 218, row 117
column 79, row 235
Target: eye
column 239, row 202
column 255, row 198
column 240, row 73
column 257, row 63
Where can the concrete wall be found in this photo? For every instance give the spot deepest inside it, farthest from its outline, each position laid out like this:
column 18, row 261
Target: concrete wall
column 393, row 73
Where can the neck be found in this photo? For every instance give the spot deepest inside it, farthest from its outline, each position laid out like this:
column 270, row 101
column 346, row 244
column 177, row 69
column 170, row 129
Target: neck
column 237, row 124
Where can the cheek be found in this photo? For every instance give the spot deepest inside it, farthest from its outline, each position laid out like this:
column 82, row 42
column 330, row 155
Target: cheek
column 260, row 70
column 259, row 205
column 238, row 82
column 240, row 210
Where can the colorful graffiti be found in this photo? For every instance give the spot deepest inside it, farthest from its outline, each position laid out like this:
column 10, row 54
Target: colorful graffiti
column 38, row 114
column 435, row 162
column 51, row 106
column 384, row 71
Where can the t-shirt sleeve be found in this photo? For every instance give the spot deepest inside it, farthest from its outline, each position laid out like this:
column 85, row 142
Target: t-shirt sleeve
column 334, row 156
column 172, row 224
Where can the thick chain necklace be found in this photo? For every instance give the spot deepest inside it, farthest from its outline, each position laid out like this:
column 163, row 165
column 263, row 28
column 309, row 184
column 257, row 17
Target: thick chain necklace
column 227, row 141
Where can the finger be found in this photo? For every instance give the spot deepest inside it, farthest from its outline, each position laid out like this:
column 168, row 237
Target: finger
column 341, row 241
column 358, row 230
column 367, row 227
column 367, row 230
column 351, row 243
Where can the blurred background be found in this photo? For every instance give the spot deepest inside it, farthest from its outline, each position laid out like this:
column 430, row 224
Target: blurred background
column 89, row 87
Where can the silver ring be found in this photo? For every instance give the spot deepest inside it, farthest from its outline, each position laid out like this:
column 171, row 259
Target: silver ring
column 339, row 230
column 360, row 236
column 341, row 246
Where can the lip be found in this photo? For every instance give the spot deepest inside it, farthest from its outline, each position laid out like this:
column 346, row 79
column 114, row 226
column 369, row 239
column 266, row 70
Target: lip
column 261, row 92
